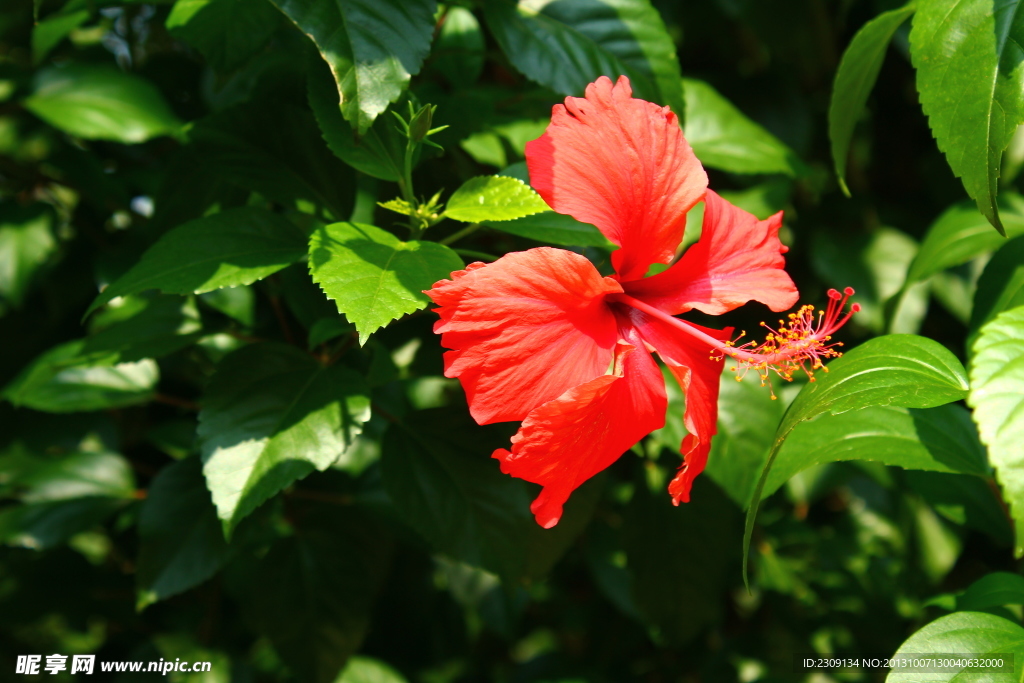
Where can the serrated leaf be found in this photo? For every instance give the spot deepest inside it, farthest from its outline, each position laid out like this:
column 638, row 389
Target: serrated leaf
column 566, row 45
column 271, row 415
column 234, row 247
column 323, row 579
column 180, row 539
column 398, row 206
column 437, row 472
column 101, row 103
column 723, row 137
column 60, row 381
column 1000, row 287
column 378, row 152
column 493, row 198
column 967, row 56
column 940, row 439
column 855, row 78
column 997, row 396
column 372, row 46
column 372, row 276
column 548, row 226
column 961, row 233
column 900, row 370
column 975, row 634
column 227, row 32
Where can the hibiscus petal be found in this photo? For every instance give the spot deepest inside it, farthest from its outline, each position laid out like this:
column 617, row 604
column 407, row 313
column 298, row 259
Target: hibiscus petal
column 570, row 439
column 623, row 165
column 737, row 259
column 524, row 329
column 698, row 374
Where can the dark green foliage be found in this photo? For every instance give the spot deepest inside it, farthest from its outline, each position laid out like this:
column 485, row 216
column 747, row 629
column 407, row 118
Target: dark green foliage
column 225, row 430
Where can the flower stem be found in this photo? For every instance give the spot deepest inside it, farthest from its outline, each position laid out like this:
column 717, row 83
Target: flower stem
column 468, row 230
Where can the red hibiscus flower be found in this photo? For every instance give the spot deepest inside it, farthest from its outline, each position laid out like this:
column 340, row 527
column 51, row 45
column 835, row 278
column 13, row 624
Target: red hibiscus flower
column 540, row 336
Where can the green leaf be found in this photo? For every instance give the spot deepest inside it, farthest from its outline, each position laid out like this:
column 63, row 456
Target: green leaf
column 366, row 670
column 227, row 32
column 180, row 539
column 64, row 497
column 458, row 51
column 234, row 247
column 78, row 475
column 965, row 500
column 940, row 439
column 967, row 56
column 378, row 152
column 59, row 381
column 993, row 590
column 977, row 633
column 26, row 243
column 374, row 277
column 566, row 45
column 163, row 325
column 271, row 415
column 101, row 103
column 961, row 233
column 493, row 198
column 313, row 591
column 372, row 46
column 548, row 226
column 45, row 525
column 747, row 417
column 895, row 370
column 722, row 137
column 855, row 79
column 680, row 558
column 48, row 34
column 997, row 396
column 273, row 148
column 1000, row 287
column 438, row 473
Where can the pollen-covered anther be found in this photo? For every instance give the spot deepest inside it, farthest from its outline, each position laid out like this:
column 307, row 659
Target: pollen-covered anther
column 801, row 343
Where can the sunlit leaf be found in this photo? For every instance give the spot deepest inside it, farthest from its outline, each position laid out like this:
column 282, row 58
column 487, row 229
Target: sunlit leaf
column 374, row 277
column 493, row 198
column 997, row 396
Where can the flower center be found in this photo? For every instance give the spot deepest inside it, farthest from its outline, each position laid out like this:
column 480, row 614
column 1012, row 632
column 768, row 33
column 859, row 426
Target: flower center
column 801, row 343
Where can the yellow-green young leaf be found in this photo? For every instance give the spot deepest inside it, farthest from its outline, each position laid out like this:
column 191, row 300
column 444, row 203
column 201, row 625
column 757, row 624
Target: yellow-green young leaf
column 493, row 198
column 372, row 46
column 855, row 78
column 398, row 206
column 101, row 103
column 961, row 233
column 374, row 277
column 977, row 633
column 234, row 247
column 566, row 45
column 723, row 137
column 997, row 396
column 971, row 85
column 271, row 415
